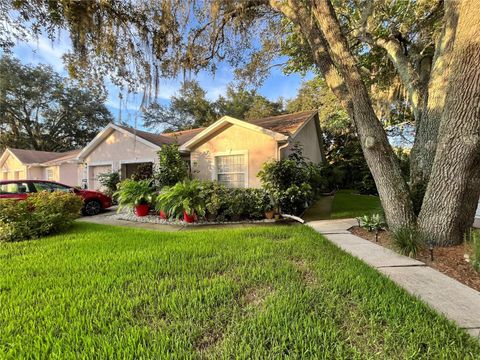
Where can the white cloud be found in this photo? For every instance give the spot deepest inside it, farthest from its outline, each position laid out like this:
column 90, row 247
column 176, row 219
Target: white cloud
column 43, row 50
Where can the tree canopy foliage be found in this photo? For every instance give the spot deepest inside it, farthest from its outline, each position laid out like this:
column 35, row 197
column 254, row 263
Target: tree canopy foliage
column 190, row 108
column 40, row 110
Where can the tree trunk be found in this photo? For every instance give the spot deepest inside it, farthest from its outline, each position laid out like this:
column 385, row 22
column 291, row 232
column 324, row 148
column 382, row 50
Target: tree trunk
column 300, row 16
column 425, row 145
column 383, row 163
column 454, row 188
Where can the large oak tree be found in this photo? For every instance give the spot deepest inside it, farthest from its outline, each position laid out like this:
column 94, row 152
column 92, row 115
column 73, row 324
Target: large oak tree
column 40, row 110
column 431, row 48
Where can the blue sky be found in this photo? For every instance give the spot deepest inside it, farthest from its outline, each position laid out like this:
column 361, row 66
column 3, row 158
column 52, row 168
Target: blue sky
column 43, row 50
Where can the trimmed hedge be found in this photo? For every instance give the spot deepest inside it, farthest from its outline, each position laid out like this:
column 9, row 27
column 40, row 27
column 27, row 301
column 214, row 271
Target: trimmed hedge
column 40, row 214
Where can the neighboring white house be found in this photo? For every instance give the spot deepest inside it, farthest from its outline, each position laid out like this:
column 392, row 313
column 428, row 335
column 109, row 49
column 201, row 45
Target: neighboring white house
column 17, row 164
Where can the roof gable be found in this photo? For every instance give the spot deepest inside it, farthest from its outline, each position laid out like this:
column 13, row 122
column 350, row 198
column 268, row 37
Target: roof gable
column 221, row 124
column 109, row 129
column 279, row 127
column 34, row 157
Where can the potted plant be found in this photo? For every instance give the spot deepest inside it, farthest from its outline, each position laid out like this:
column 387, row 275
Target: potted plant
column 271, row 205
column 269, row 212
column 182, row 200
column 135, row 194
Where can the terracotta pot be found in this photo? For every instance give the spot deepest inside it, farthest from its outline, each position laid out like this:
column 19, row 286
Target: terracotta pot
column 188, row 218
column 163, row 215
column 142, row 210
column 269, row 214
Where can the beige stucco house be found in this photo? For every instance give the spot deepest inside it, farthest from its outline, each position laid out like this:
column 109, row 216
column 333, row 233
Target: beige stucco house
column 18, row 164
column 231, row 151
column 123, row 149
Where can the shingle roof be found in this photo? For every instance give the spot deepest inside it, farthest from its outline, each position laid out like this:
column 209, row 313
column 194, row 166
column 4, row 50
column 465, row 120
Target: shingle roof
column 38, row 157
column 69, row 155
column 184, row 135
column 284, row 124
column 156, row 139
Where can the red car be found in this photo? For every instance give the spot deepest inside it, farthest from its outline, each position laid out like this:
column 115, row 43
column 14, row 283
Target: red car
column 94, row 201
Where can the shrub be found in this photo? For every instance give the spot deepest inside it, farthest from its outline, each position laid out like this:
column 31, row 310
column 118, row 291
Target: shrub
column 143, row 172
column 171, row 167
column 367, row 185
column 183, row 196
column 474, row 238
column 40, row 214
column 373, row 222
column 222, row 203
column 293, row 183
column 109, row 182
column 132, row 193
column 408, row 240
column 476, row 253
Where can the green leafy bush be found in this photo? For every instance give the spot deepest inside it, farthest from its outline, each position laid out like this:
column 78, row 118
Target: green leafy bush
column 473, row 237
column 374, row 222
column 183, row 196
column 132, row 193
column 171, row 167
column 109, row 182
column 476, row 253
column 293, row 183
column 143, row 171
column 224, row 204
column 409, row 240
column 40, row 214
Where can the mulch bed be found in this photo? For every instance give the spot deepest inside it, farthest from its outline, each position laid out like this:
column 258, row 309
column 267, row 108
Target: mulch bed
column 448, row 260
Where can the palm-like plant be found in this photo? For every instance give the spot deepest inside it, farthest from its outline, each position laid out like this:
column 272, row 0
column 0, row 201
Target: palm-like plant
column 132, row 193
column 183, row 197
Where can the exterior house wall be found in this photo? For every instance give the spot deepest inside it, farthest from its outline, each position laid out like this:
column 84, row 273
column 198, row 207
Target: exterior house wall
column 12, row 169
column 36, row 173
column 68, row 174
column 55, row 172
column 308, row 138
column 259, row 148
column 117, row 149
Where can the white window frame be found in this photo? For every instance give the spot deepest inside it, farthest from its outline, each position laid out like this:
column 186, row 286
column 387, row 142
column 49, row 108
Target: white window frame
column 228, row 153
column 48, row 170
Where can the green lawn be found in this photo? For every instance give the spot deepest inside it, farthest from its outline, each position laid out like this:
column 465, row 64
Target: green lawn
column 347, row 204
column 259, row 292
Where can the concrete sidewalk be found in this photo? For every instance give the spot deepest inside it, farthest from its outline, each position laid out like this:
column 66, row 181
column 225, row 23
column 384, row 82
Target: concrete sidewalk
column 456, row 301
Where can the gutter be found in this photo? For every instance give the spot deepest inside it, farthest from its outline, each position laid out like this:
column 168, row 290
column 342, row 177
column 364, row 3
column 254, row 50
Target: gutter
column 280, row 148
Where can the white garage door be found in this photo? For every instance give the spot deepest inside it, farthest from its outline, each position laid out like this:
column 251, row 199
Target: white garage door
column 478, row 211
column 94, row 171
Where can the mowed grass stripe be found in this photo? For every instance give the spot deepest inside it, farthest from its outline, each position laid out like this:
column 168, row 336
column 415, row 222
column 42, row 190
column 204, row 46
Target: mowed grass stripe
column 259, row 292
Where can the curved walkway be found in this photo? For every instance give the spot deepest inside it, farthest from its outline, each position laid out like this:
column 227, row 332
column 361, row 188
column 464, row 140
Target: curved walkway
column 456, row 301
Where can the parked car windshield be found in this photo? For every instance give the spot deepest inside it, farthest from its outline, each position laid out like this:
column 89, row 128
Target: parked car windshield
column 44, row 186
column 14, row 188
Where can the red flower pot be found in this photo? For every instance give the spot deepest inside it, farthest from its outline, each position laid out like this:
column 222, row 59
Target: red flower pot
column 142, row 210
column 188, row 218
column 163, row 215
